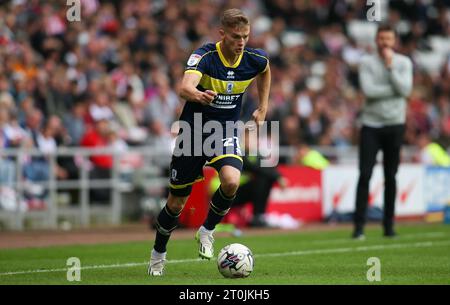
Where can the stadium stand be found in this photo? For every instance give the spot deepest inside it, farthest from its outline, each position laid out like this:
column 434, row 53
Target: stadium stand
column 123, row 62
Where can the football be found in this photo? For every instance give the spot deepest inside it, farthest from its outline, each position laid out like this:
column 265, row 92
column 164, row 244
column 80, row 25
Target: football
column 235, row 261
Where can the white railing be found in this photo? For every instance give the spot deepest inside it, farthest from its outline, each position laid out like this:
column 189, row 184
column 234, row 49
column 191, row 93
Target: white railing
column 85, row 209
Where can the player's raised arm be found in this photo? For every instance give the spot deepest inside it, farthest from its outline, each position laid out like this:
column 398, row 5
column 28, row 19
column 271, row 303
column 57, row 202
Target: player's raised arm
column 263, row 84
column 189, row 91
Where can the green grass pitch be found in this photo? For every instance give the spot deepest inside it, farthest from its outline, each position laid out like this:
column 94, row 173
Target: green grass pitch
column 420, row 255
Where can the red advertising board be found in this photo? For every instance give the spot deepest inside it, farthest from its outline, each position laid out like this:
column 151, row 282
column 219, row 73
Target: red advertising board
column 302, row 198
column 196, row 208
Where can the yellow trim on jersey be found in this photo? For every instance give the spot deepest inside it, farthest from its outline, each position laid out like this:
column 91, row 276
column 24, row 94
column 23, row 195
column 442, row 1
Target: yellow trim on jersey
column 256, row 54
column 212, row 51
column 220, row 86
column 194, row 71
column 196, row 66
column 224, row 156
column 267, row 65
column 223, row 59
column 180, row 186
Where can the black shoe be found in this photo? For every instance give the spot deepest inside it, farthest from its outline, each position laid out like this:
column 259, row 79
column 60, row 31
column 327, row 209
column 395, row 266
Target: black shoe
column 390, row 234
column 358, row 235
column 259, row 222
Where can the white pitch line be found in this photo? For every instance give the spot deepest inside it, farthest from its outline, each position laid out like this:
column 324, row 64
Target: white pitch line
column 124, row 265
column 403, row 237
column 358, row 249
column 292, row 253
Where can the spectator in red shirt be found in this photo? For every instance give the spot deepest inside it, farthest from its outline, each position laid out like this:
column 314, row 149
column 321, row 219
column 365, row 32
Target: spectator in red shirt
column 96, row 137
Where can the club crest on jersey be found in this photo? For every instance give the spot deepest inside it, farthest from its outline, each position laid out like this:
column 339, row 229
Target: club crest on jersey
column 174, row 175
column 193, row 59
column 230, row 87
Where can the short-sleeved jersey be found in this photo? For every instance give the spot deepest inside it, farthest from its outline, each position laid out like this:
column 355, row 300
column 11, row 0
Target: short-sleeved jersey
column 228, row 81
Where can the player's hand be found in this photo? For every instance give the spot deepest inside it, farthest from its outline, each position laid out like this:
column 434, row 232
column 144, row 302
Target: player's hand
column 259, row 116
column 387, row 55
column 207, row 97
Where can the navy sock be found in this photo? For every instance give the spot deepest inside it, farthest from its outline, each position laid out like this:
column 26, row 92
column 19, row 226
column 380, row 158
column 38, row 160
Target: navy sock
column 167, row 222
column 218, row 207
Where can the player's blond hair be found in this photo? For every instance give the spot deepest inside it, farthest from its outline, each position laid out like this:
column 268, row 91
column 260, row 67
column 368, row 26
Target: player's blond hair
column 233, row 17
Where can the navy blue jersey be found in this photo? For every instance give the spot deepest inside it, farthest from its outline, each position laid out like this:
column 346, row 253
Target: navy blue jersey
column 228, row 81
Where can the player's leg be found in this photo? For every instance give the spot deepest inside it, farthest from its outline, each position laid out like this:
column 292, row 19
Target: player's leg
column 166, row 223
column 184, row 172
column 243, row 194
column 223, row 198
column 391, row 145
column 368, row 149
column 229, row 168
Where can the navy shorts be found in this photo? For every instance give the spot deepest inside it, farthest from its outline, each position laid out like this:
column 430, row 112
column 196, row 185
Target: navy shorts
column 185, row 170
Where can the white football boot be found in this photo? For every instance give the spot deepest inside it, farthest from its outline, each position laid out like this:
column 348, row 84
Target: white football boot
column 205, row 242
column 157, row 262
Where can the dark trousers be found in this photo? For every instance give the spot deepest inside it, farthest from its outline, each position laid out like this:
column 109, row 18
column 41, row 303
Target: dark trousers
column 389, row 139
column 257, row 192
column 100, row 195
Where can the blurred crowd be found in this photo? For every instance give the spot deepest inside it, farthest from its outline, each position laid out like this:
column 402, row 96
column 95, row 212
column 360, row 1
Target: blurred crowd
column 111, row 79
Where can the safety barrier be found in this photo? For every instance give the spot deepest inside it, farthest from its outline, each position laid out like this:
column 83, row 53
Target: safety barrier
column 84, row 210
